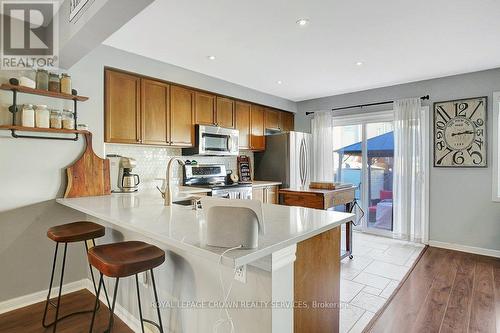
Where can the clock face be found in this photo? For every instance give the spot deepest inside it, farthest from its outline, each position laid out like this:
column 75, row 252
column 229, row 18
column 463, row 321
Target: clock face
column 460, row 133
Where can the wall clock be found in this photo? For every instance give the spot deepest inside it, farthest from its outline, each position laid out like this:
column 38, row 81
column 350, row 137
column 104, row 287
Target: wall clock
column 460, row 133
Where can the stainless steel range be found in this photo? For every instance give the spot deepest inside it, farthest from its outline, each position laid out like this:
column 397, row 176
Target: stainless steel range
column 213, row 176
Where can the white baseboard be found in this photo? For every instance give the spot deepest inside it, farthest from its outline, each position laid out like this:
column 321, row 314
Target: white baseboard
column 465, row 248
column 19, row 302
column 120, row 311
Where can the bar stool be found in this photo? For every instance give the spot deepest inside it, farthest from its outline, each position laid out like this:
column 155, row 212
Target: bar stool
column 70, row 233
column 125, row 259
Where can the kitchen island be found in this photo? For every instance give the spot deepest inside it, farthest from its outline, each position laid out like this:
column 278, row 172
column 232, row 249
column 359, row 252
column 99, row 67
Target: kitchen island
column 295, row 242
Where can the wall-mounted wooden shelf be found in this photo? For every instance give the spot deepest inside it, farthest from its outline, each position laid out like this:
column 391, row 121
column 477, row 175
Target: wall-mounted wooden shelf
column 14, row 108
column 42, row 130
column 40, row 92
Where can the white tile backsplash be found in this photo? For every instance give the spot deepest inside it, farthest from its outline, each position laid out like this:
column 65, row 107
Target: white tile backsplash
column 152, row 161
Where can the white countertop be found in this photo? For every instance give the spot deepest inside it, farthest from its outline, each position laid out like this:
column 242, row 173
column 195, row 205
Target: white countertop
column 262, row 183
column 181, row 228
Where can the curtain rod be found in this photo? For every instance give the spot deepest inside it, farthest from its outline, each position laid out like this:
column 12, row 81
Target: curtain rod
column 363, row 105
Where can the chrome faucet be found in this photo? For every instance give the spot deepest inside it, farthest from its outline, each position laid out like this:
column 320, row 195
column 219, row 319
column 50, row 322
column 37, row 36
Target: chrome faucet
column 168, row 189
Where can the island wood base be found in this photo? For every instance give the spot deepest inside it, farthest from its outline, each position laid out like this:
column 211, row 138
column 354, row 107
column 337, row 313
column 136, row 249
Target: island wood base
column 317, row 280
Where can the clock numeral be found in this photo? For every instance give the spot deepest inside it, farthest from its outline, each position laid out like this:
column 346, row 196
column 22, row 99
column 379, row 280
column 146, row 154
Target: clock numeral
column 439, row 135
column 477, row 157
column 442, row 113
column 461, row 109
column 458, row 157
column 477, row 107
column 440, row 124
column 440, row 145
column 478, row 122
column 480, row 132
column 479, row 143
column 443, row 157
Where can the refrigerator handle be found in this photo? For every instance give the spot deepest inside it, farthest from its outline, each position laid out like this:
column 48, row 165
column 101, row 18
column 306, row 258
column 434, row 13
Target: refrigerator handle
column 302, row 163
column 306, row 162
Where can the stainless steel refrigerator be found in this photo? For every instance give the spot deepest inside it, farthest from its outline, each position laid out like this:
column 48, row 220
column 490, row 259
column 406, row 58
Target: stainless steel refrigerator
column 287, row 158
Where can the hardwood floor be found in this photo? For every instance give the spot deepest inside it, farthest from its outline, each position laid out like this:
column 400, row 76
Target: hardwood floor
column 29, row 318
column 447, row 291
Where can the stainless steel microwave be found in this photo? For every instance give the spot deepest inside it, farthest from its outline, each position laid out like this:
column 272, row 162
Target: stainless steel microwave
column 214, row 141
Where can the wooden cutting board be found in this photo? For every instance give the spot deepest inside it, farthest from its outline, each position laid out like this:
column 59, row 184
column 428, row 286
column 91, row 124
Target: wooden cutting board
column 89, row 175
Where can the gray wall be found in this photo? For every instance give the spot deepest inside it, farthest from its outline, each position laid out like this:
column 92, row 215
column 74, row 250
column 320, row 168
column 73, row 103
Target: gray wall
column 32, row 171
column 461, row 206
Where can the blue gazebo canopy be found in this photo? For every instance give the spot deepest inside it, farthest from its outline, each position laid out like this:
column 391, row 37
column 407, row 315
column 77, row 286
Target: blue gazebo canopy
column 378, row 146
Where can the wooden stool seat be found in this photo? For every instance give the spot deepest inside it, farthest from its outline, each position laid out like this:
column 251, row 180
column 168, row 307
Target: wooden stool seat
column 75, row 232
column 125, row 258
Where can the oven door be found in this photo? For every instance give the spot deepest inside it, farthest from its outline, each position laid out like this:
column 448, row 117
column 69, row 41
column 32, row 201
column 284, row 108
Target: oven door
column 217, row 141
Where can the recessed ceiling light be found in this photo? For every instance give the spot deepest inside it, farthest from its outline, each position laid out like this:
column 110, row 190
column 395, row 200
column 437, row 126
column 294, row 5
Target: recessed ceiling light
column 211, row 57
column 359, row 63
column 302, row 22
column 279, row 82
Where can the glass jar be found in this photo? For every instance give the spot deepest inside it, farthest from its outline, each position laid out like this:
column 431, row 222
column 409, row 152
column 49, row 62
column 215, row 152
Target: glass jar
column 42, row 116
column 68, row 119
column 42, row 79
column 28, row 116
column 55, row 119
column 66, row 83
column 54, row 84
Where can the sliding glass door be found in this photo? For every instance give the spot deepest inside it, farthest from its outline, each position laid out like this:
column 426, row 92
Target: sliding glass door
column 364, row 156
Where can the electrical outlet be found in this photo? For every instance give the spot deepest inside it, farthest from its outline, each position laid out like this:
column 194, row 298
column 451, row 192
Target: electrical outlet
column 241, row 274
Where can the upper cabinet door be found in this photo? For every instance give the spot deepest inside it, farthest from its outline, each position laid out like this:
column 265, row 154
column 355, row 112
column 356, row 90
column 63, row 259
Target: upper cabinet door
column 225, row 112
column 272, row 119
column 204, row 108
column 257, row 139
column 287, row 121
column 181, row 116
column 154, row 98
column 122, row 107
column 242, row 115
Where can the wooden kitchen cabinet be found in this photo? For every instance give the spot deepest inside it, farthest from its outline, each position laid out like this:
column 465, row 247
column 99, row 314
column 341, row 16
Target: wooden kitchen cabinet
column 154, row 112
column 122, row 107
column 272, row 119
column 224, row 112
column 257, row 139
column 287, row 121
column 181, row 116
column 242, row 115
column 204, row 108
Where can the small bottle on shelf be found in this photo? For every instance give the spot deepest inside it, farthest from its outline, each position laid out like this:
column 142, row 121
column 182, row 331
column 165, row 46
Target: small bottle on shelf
column 68, row 119
column 54, row 84
column 42, row 79
column 28, row 116
column 42, row 116
column 55, row 119
column 66, row 83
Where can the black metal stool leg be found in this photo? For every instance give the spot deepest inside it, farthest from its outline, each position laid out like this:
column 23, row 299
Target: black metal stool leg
column 60, row 287
column 139, row 302
column 96, row 302
column 156, row 301
column 50, row 288
column 112, row 312
column 93, row 278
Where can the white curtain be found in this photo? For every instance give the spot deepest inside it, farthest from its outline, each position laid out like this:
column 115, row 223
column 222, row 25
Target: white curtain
column 322, row 142
column 409, row 169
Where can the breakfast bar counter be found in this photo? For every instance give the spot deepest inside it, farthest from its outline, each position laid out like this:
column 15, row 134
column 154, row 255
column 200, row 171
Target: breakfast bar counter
column 297, row 253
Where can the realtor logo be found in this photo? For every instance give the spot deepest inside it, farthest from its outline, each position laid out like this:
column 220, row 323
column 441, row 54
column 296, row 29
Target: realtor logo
column 28, row 34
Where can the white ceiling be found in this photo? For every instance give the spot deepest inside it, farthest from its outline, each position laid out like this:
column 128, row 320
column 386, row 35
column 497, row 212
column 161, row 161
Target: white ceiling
column 257, row 42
